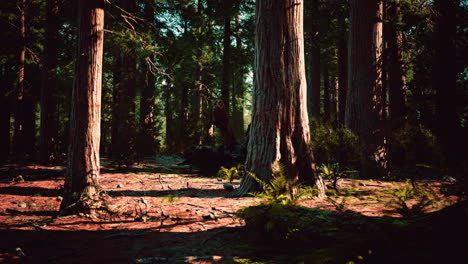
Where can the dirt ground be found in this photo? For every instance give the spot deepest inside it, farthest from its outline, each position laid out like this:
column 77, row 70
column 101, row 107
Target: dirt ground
column 155, row 213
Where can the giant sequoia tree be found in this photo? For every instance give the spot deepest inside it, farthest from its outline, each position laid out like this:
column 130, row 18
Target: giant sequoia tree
column 364, row 105
column 81, row 180
column 280, row 126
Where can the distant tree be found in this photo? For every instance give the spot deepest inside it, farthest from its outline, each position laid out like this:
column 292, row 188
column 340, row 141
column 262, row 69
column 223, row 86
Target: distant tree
column 23, row 141
column 444, row 78
column 81, row 180
column 147, row 135
column 48, row 128
column 314, row 69
column 396, row 78
column 280, row 127
column 364, row 105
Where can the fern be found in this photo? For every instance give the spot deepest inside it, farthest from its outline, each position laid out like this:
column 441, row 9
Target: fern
column 280, row 190
column 412, row 200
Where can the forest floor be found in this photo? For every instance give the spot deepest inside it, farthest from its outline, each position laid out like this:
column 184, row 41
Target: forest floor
column 155, row 212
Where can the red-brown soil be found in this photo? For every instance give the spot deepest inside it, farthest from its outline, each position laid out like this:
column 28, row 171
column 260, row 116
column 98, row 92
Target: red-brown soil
column 152, row 215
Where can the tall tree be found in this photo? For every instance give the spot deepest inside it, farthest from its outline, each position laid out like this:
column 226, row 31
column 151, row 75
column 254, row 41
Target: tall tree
column 314, row 70
column 280, row 126
column 364, row 106
column 237, row 96
column 23, row 144
column 342, row 70
column 125, row 92
column 444, row 74
column 147, row 137
column 49, row 128
column 227, row 54
column 81, row 180
column 396, row 79
column 326, row 92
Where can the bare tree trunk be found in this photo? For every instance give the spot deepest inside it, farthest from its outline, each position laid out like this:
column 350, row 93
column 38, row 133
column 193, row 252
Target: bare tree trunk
column 396, row 79
column 314, row 70
column 238, row 89
column 23, row 144
column 342, row 79
column 280, row 127
column 226, row 81
column 364, row 107
column 326, row 93
column 81, row 181
column 147, row 142
column 124, row 152
column 169, row 140
column 444, row 74
column 5, row 86
column 49, row 133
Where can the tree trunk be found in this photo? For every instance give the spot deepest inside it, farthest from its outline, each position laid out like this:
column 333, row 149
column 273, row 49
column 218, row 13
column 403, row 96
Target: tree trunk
column 5, row 86
column 342, row 79
column 314, row 74
column 238, row 88
column 226, row 81
column 326, row 93
column 444, row 74
column 147, row 142
column 364, row 107
column 23, row 144
column 280, row 126
column 81, row 180
column 48, row 130
column 126, row 92
column 396, row 79
column 169, row 140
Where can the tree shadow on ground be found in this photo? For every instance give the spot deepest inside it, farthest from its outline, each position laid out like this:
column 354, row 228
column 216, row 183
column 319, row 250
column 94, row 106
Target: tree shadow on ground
column 31, row 174
column 186, row 192
column 30, row 191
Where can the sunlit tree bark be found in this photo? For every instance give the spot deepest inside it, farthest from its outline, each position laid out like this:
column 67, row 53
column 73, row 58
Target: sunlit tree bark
column 364, row 106
column 81, row 180
column 280, row 126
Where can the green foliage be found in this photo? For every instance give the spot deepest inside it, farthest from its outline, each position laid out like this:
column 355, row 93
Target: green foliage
column 232, row 173
column 331, row 145
column 169, row 199
column 281, row 190
column 279, row 221
column 411, row 200
column 413, row 144
column 333, row 172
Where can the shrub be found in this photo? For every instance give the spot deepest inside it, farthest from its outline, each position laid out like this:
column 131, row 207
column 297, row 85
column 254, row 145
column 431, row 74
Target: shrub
column 411, row 200
column 331, row 145
column 232, row 173
column 333, row 172
column 281, row 190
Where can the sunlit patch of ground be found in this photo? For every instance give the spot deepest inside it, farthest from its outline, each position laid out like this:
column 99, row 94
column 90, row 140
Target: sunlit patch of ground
column 151, row 210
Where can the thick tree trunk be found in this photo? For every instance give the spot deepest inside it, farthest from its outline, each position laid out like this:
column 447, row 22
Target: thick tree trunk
column 444, row 74
column 396, row 79
column 48, row 130
column 147, row 141
column 280, row 126
column 364, row 106
column 81, row 180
